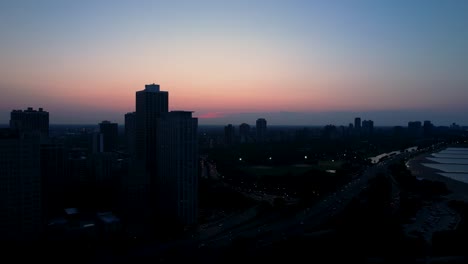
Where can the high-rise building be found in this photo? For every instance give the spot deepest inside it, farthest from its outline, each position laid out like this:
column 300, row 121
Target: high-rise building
column 53, row 174
column 105, row 170
column 151, row 103
column 178, row 167
column 20, row 185
column 166, row 148
column 261, row 128
column 415, row 128
column 244, row 132
column 30, row 120
column 130, row 132
column 110, row 134
column 427, row 128
column 357, row 123
column 229, row 133
column 368, row 127
column 97, row 142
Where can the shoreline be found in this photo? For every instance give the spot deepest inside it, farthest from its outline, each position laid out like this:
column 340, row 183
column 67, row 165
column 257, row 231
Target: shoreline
column 458, row 189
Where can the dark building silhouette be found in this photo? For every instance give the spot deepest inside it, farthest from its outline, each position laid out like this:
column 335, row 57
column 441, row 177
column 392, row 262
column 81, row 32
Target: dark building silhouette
column 53, row 174
column 162, row 181
column 455, row 126
column 178, row 167
column 151, row 103
column 357, row 123
column 367, row 127
column 415, row 128
column 244, row 132
column 105, row 170
column 78, row 173
column 229, row 134
column 97, row 142
column 428, row 128
column 30, row 120
column 110, row 133
column 139, row 187
column 330, row 132
column 261, row 129
column 20, row 185
column 130, row 132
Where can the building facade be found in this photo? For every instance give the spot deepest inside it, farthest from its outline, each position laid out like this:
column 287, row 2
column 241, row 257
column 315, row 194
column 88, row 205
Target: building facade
column 261, row 129
column 130, row 132
column 151, row 103
column 30, row 120
column 163, row 168
column 110, row 135
column 229, row 135
column 178, row 167
column 20, row 185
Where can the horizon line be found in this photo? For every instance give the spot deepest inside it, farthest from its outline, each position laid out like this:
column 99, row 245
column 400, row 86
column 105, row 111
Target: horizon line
column 3, row 125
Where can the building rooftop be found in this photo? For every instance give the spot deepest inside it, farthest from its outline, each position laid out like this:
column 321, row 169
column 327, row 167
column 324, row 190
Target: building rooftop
column 152, row 87
column 108, row 217
column 71, row 211
column 30, row 110
column 180, row 114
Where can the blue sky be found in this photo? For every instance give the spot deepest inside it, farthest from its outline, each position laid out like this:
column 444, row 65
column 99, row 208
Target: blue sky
column 83, row 60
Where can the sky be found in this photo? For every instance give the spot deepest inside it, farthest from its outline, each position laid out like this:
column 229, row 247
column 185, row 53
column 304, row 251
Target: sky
column 292, row 62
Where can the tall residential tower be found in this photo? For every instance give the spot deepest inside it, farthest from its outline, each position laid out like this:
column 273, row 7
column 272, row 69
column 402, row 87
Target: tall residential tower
column 20, row 185
column 261, row 129
column 165, row 162
column 178, row 167
column 30, row 120
column 151, row 103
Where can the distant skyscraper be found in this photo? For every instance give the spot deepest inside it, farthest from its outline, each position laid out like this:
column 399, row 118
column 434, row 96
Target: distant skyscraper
column 178, row 167
column 30, row 120
column 415, row 128
column 244, row 132
column 427, row 128
column 130, row 132
column 367, row 127
column 20, row 185
column 357, row 123
column 229, row 133
column 110, row 133
column 261, row 128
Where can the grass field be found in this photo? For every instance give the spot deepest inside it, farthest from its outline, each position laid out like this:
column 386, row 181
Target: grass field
column 275, row 171
column 329, row 165
column 296, row 169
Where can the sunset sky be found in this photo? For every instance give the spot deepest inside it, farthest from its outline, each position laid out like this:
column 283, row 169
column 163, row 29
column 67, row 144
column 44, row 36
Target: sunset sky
column 292, row 62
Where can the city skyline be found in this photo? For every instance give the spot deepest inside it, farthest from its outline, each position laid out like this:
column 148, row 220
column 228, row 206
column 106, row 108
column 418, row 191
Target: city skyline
column 384, row 118
column 292, row 63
